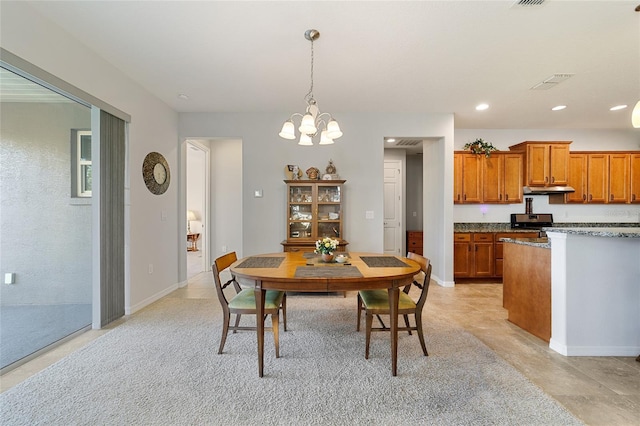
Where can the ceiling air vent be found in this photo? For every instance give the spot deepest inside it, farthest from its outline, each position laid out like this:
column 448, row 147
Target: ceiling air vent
column 409, row 142
column 528, row 3
column 552, row 81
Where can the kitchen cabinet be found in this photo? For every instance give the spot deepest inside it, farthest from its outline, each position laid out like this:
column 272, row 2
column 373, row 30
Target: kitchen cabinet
column 502, row 178
column 634, row 178
column 597, row 177
column 602, row 177
column 577, row 178
column 545, row 163
column 467, row 178
column 414, row 242
column 473, row 255
column 496, row 179
column 315, row 209
column 619, row 178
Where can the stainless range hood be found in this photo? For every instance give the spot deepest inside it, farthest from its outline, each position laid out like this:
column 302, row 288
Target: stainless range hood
column 547, row 190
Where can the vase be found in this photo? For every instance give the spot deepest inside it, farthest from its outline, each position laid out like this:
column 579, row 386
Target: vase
column 327, row 257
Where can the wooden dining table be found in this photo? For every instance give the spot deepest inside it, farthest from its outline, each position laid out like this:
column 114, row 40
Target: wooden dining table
column 305, row 272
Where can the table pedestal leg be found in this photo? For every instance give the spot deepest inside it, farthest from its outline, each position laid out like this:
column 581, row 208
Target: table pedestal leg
column 260, row 296
column 394, row 295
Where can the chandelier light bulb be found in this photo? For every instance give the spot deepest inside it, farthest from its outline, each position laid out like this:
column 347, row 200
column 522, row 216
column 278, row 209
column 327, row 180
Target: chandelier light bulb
column 305, row 140
column 325, row 139
column 308, row 125
column 288, row 131
column 333, row 129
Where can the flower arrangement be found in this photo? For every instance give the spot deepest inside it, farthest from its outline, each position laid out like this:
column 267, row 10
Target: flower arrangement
column 479, row 146
column 326, row 245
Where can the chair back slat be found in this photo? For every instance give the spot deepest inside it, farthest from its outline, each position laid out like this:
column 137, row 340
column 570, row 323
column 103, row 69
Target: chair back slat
column 220, row 264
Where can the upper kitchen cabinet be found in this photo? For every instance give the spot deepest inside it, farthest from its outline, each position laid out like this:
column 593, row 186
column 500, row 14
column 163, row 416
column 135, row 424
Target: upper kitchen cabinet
column 602, row 178
column 496, row 179
column 546, row 163
column 467, row 177
column 502, row 178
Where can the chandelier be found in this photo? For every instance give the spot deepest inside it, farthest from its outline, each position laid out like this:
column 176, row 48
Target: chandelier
column 312, row 121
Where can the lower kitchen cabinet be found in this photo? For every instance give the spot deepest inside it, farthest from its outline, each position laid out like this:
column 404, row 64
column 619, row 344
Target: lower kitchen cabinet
column 480, row 254
column 473, row 255
column 414, row 242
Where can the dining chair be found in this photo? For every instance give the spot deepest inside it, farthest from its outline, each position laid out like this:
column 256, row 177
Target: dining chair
column 243, row 302
column 376, row 302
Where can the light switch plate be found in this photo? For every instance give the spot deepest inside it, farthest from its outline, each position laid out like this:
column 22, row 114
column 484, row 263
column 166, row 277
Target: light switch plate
column 257, row 193
column 9, row 278
column 368, row 214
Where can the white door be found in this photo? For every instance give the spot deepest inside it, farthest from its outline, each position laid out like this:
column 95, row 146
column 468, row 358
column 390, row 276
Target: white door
column 393, row 207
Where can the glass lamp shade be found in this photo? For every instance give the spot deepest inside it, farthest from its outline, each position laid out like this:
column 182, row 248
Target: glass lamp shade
column 308, row 126
column 305, row 140
column 635, row 116
column 333, row 130
column 324, row 139
column 288, row 131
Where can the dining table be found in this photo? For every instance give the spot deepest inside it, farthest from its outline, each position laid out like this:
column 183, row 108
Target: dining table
column 306, row 272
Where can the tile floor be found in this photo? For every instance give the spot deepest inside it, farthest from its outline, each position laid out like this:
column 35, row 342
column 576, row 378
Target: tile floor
column 598, row 390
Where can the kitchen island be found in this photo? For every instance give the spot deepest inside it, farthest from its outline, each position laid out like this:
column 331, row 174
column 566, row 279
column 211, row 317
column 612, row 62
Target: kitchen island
column 526, row 286
column 595, row 291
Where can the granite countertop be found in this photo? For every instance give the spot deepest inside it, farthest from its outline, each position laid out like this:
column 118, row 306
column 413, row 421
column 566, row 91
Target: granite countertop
column 533, row 242
column 622, row 232
column 488, row 227
column 579, row 228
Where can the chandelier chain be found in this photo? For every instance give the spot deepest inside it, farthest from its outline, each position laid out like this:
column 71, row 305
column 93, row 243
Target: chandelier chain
column 309, row 95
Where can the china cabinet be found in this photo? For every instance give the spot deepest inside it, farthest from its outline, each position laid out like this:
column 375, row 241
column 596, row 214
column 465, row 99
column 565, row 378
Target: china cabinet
column 315, row 209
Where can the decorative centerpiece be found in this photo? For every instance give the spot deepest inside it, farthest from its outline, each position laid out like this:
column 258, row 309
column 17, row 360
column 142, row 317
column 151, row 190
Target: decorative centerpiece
column 479, row 146
column 325, row 247
column 312, row 173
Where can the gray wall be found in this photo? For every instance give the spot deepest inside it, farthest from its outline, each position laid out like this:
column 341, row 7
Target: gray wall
column 44, row 237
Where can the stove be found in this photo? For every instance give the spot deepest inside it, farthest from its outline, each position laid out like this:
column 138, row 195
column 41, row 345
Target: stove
column 531, row 221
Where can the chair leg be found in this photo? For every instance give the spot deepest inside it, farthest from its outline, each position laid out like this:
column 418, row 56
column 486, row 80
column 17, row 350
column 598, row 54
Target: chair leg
column 359, row 312
column 225, row 330
column 420, row 333
column 237, row 323
column 406, row 322
column 368, row 333
column 275, row 326
column 284, row 311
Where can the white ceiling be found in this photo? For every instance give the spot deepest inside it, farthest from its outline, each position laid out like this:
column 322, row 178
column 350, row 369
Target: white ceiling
column 388, row 56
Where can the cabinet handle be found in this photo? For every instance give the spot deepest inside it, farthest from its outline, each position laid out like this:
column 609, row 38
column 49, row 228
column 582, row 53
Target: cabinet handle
column 590, row 197
column 584, row 197
column 476, row 248
column 553, row 179
column 546, row 179
column 458, row 197
column 506, row 197
column 633, row 197
column 500, row 198
column 611, row 197
column 465, row 197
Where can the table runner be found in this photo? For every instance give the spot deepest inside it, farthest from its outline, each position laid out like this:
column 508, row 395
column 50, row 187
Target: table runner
column 261, row 262
column 320, row 272
column 383, row 262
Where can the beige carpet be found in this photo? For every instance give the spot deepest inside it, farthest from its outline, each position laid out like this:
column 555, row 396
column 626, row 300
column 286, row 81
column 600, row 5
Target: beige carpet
column 162, row 367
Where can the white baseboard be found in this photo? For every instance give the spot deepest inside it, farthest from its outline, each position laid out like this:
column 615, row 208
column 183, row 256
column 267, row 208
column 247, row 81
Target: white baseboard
column 442, row 283
column 565, row 350
column 128, row 310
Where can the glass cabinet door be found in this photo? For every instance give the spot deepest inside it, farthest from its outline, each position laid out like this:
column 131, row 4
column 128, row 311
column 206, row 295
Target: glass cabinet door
column 301, row 211
column 329, row 211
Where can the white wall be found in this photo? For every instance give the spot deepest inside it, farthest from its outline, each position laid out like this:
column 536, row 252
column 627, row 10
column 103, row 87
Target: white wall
column 583, row 140
column 153, row 220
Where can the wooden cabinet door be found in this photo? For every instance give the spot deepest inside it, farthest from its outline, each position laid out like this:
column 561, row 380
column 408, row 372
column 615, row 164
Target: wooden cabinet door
column 597, row 178
column 483, row 259
column 457, row 178
column 471, row 178
column 619, row 165
column 492, row 179
column 537, row 164
column 462, row 259
column 558, row 159
column 512, row 185
column 577, row 178
column 635, row 178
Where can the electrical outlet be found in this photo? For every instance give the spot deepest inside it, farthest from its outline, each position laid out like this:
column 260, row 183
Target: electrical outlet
column 224, row 249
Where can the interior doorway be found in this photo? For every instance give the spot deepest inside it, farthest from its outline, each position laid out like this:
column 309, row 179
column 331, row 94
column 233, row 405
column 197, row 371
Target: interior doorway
column 197, row 206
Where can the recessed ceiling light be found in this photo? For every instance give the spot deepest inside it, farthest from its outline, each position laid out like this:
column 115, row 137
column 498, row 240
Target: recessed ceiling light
column 558, row 108
column 617, row 107
column 482, row 107
column 391, row 140
column 183, row 96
